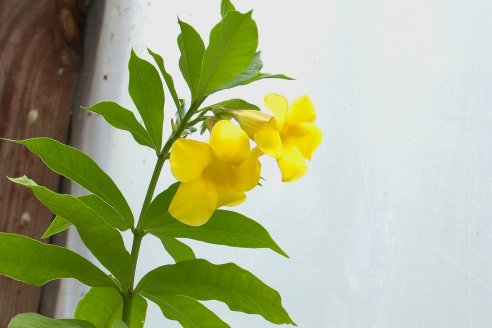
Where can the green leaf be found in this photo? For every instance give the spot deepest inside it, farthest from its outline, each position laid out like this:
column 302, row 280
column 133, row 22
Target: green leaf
column 102, row 240
column 139, row 312
column 106, row 212
column 231, row 48
column 146, row 90
column 104, row 306
column 250, row 72
column 190, row 62
column 224, row 228
column 123, row 119
column 100, row 306
column 119, row 324
column 158, row 208
column 34, row 320
column 79, row 167
column 167, row 77
column 20, row 254
column 188, row 312
column 178, row 250
column 58, row 225
column 261, row 76
column 226, row 6
column 232, row 104
column 78, row 323
column 228, row 283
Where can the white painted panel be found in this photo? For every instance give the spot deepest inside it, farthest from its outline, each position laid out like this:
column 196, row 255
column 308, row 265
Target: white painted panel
column 392, row 225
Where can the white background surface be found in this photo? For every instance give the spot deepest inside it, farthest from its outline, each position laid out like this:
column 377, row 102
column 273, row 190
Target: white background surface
column 391, row 227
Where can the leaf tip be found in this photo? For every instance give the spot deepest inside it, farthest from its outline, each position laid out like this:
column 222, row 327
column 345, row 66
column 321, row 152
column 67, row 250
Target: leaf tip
column 290, row 322
column 13, row 179
column 281, row 252
column 180, row 22
column 23, row 180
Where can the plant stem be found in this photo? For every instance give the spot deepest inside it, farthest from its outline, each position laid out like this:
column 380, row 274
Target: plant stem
column 198, row 119
column 153, row 183
column 137, row 234
column 184, row 123
column 128, row 297
column 137, row 240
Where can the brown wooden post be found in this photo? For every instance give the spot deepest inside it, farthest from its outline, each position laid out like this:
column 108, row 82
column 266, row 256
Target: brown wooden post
column 40, row 57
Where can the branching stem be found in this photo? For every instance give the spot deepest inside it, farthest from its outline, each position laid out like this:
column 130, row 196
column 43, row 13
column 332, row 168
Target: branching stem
column 129, row 295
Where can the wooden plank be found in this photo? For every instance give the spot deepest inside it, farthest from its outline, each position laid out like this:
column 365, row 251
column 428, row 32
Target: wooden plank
column 40, row 56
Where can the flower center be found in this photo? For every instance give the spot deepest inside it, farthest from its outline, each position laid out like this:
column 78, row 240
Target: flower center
column 218, row 172
column 284, row 134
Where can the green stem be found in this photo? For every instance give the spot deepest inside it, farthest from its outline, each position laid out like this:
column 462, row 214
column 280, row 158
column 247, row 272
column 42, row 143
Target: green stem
column 184, row 123
column 198, row 120
column 153, row 183
column 128, row 296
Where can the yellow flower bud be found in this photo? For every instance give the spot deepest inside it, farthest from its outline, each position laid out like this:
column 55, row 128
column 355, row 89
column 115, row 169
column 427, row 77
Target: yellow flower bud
column 251, row 120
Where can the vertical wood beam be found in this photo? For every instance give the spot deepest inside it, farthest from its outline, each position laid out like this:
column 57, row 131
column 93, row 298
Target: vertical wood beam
column 40, row 57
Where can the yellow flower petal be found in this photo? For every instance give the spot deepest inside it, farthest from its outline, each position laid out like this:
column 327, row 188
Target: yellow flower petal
column 301, row 110
column 292, row 164
column 247, row 175
column 251, row 120
column 278, row 104
column 228, row 196
column 194, row 202
column 189, row 158
column 228, row 142
column 268, row 140
column 256, row 152
column 305, row 136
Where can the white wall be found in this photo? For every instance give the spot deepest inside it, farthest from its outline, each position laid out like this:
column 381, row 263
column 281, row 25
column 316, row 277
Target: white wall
column 392, row 225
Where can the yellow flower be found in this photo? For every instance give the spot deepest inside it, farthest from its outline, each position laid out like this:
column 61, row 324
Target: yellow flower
column 289, row 136
column 212, row 174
